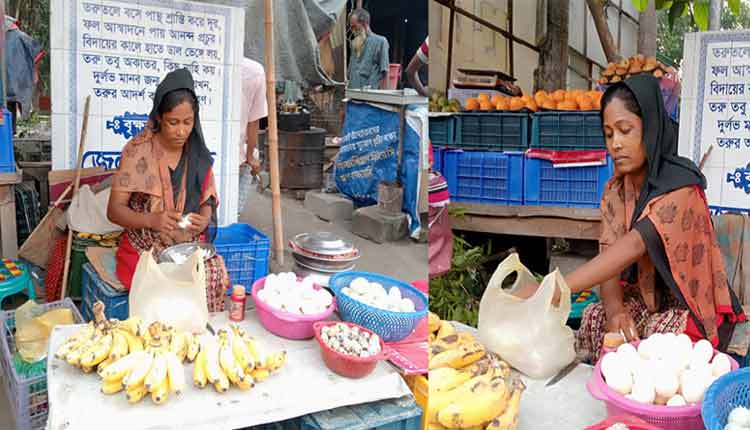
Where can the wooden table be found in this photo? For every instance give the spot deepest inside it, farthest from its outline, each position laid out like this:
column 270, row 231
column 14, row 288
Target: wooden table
column 540, row 221
column 8, row 233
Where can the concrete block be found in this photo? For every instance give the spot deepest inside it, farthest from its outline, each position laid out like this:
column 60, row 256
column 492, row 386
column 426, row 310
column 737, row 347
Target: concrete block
column 378, row 226
column 330, row 207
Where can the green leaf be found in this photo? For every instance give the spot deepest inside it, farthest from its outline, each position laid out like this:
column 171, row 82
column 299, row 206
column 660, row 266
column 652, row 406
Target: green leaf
column 663, row 4
column 641, row 5
column 700, row 15
column 676, row 11
column 734, row 6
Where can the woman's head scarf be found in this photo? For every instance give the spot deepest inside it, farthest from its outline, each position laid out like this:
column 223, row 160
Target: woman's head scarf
column 666, row 171
column 195, row 153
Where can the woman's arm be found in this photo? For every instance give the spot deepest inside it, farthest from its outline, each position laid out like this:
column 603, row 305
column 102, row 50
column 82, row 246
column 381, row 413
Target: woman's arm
column 609, row 264
column 120, row 213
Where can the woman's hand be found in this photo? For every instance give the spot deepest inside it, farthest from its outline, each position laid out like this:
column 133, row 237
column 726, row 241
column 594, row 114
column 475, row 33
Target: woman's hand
column 164, row 222
column 620, row 321
column 198, row 223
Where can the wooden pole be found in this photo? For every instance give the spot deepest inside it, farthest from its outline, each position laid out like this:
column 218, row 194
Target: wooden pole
column 273, row 136
column 77, row 182
column 449, row 64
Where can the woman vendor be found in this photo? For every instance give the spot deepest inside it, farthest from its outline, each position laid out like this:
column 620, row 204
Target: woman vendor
column 165, row 174
column 660, row 268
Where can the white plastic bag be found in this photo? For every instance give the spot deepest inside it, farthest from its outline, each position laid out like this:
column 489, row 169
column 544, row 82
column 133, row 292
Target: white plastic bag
column 88, row 212
column 174, row 294
column 530, row 334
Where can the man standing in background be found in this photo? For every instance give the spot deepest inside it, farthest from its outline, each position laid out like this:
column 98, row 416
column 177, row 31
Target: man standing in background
column 254, row 107
column 370, row 61
column 418, row 61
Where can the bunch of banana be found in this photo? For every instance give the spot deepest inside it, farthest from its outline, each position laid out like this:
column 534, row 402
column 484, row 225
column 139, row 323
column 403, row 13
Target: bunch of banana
column 470, row 388
column 157, row 369
column 233, row 357
column 102, row 342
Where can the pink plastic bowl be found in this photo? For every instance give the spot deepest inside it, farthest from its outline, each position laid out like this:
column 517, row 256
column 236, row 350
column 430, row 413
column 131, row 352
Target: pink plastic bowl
column 286, row 324
column 668, row 418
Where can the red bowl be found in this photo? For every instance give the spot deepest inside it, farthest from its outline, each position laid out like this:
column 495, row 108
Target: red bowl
column 348, row 365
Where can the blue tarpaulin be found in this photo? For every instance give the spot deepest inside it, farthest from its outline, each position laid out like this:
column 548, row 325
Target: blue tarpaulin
column 369, row 156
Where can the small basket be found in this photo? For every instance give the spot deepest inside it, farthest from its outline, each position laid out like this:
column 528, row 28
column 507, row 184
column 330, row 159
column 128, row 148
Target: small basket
column 667, row 417
column 725, row 394
column 286, row 324
column 347, row 365
column 390, row 326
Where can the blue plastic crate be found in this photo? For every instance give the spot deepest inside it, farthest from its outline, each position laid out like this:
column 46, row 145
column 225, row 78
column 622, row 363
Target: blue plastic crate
column 94, row 288
column 492, row 131
column 484, row 177
column 245, row 251
column 7, row 158
column 437, row 159
column 582, row 187
column 392, row 414
column 442, row 130
column 567, row 131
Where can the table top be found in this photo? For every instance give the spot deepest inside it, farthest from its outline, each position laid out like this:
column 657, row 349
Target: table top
column 303, row 386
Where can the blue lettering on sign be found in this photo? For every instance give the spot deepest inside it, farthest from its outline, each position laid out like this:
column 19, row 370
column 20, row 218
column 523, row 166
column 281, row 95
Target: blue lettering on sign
column 128, row 124
column 740, row 178
column 108, row 159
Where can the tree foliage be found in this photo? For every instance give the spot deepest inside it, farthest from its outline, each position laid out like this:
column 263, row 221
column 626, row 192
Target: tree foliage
column 671, row 35
column 697, row 10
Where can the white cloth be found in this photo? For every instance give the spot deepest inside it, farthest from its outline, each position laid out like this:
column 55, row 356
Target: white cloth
column 303, row 386
column 254, row 105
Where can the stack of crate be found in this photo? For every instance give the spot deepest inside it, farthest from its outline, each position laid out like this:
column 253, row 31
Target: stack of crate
column 480, row 154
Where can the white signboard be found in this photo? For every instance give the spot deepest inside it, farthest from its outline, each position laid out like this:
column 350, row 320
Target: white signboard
column 715, row 112
column 118, row 51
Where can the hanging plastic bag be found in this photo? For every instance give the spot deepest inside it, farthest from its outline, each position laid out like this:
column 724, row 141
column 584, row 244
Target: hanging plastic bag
column 33, row 328
column 174, row 294
column 530, row 334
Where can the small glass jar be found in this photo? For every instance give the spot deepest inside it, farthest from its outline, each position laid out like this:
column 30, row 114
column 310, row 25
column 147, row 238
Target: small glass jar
column 237, row 305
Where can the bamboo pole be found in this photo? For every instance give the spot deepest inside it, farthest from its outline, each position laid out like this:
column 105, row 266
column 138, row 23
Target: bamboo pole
column 273, row 137
column 76, row 184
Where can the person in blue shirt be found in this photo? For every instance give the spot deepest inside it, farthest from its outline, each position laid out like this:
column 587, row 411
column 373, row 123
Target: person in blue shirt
column 369, row 60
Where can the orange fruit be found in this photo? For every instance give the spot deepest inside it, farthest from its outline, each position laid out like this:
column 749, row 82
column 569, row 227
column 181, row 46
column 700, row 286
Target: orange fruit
column 558, row 96
column 526, row 98
column 549, row 104
column 532, row 106
column 516, row 104
column 503, row 104
column 572, row 95
column 483, row 97
column 567, row 105
column 585, row 103
column 485, row 105
column 496, row 99
column 472, row 104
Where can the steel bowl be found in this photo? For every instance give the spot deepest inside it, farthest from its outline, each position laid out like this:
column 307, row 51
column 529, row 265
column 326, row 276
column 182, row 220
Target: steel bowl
column 324, row 244
column 184, row 251
column 322, row 266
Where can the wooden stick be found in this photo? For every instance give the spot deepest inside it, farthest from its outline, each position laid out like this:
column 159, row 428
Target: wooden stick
column 77, row 182
column 705, row 157
column 273, row 136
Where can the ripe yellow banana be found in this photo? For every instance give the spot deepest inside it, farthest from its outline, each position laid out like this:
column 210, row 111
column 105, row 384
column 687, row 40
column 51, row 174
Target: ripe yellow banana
column 98, row 353
column 158, row 373
column 136, row 393
column 112, row 387
column 439, row 400
column 175, row 373
column 213, row 368
column 134, row 343
column 433, row 322
column 103, row 365
column 260, row 374
column 193, row 348
column 87, row 369
column 222, row 384
column 485, row 402
column 228, row 364
column 117, row 370
column 242, row 354
column 462, row 356
column 160, row 393
column 447, row 378
column 75, row 354
column 139, row 371
column 120, row 346
column 446, row 329
column 178, row 346
column 275, row 361
column 256, row 350
column 199, row 370
column 134, row 326
column 509, row 418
